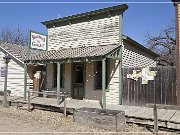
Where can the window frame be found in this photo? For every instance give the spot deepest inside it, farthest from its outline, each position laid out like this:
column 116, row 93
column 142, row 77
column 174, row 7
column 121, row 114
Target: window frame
column 107, row 75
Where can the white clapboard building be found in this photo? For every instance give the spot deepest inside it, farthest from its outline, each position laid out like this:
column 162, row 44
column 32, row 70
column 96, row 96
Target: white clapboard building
column 85, row 56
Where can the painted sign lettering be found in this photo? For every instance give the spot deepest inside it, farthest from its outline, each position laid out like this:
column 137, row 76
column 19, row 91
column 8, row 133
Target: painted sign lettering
column 38, row 41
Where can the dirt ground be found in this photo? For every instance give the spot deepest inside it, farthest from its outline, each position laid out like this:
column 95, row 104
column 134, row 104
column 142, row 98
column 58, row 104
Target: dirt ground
column 14, row 121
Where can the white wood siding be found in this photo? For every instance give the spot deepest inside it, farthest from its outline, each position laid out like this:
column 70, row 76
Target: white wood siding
column 15, row 80
column 97, row 32
column 133, row 56
column 112, row 96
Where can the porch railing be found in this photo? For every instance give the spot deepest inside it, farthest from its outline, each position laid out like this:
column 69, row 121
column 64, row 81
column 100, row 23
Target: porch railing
column 64, row 95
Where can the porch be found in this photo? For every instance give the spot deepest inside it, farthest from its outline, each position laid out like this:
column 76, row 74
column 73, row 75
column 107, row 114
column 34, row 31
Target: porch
column 82, row 72
column 135, row 114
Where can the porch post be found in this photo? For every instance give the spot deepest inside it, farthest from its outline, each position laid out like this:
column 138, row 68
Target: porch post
column 177, row 16
column 120, row 61
column 25, row 81
column 104, row 83
column 58, row 82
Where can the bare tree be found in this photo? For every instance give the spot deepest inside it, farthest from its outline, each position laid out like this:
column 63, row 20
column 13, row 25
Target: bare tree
column 14, row 35
column 164, row 44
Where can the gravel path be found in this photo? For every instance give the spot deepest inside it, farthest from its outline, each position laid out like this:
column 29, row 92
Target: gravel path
column 23, row 122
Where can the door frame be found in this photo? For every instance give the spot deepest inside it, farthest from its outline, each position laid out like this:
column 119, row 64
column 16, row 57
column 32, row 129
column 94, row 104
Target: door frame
column 73, row 77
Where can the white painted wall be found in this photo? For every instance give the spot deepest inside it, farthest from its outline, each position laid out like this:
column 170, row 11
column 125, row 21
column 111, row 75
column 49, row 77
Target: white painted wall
column 112, row 96
column 133, row 56
column 15, row 80
column 91, row 33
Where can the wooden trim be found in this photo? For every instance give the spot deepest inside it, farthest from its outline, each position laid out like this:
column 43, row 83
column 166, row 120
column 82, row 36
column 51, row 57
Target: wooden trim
column 18, row 61
column 94, row 75
column 74, row 83
column 114, row 10
column 84, row 79
column 58, row 82
column 72, row 80
column 120, row 60
column 29, row 47
column 131, row 41
column 97, row 58
column 104, row 83
column 162, row 106
column 177, row 54
column 25, row 81
column 115, row 58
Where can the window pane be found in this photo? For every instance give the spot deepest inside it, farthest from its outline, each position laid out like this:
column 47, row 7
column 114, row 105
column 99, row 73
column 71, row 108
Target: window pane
column 98, row 75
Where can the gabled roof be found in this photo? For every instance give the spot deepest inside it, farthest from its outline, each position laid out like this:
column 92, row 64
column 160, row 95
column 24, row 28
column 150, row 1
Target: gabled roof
column 130, row 40
column 109, row 10
column 74, row 54
column 19, row 52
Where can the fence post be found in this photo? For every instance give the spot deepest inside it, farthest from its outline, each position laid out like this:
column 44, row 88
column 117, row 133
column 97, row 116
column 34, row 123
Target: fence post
column 155, row 112
column 64, row 105
column 155, row 119
column 28, row 101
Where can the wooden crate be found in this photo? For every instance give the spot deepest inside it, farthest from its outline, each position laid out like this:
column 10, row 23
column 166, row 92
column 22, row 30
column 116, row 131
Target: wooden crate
column 108, row 119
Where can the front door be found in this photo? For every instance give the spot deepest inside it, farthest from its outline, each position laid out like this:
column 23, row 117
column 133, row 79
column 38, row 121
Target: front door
column 78, row 81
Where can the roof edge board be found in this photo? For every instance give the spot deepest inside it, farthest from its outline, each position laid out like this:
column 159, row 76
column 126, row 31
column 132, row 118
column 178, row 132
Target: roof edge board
column 21, row 63
column 139, row 45
column 121, row 8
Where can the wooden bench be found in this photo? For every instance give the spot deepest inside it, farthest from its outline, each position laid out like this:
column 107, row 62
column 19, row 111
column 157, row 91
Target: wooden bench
column 46, row 93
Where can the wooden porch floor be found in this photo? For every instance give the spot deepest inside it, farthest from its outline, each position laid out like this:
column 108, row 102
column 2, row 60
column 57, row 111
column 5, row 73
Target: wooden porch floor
column 142, row 115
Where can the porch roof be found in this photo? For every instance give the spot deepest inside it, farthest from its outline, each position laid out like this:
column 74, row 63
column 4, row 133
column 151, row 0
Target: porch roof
column 19, row 52
column 74, row 54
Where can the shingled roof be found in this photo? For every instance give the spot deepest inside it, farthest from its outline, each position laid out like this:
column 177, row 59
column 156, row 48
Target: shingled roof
column 63, row 54
column 17, row 51
column 113, row 10
column 74, row 54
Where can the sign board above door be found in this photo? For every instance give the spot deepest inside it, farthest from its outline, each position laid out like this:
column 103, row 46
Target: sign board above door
column 38, row 41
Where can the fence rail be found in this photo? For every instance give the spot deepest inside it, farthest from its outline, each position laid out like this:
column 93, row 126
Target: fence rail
column 135, row 93
column 62, row 94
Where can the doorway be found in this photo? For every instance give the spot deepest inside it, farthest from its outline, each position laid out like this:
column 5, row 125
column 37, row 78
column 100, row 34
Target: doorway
column 78, row 81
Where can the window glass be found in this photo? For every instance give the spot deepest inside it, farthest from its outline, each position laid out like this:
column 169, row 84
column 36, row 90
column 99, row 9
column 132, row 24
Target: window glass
column 78, row 74
column 98, row 74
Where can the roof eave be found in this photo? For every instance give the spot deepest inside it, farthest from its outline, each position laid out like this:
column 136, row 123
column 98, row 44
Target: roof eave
column 20, row 62
column 139, row 45
column 120, row 8
column 75, row 59
column 175, row 2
